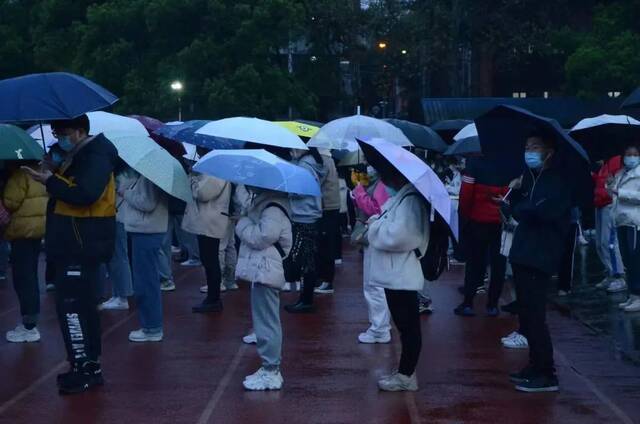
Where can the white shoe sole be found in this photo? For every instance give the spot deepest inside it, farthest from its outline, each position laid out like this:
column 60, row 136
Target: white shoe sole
column 152, row 339
column 539, row 390
column 515, row 347
column 618, row 290
column 114, row 308
column 25, row 340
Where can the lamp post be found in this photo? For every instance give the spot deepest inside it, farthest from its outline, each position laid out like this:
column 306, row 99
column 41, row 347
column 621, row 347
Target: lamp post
column 177, row 87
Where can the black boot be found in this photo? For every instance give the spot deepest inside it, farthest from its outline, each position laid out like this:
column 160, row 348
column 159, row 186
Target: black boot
column 207, row 306
column 299, row 308
column 81, row 378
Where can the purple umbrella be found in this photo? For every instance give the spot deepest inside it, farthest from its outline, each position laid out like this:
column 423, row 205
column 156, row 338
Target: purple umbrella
column 152, row 124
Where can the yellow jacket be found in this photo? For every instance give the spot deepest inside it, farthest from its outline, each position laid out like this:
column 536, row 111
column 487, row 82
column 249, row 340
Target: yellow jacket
column 26, row 199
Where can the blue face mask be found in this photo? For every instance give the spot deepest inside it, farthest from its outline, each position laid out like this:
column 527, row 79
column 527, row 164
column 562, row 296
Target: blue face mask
column 391, row 191
column 65, row 143
column 630, row 162
column 533, row 160
column 57, row 158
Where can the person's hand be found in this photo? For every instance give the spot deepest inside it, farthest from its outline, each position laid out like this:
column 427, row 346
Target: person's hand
column 499, row 200
column 40, row 176
column 516, row 184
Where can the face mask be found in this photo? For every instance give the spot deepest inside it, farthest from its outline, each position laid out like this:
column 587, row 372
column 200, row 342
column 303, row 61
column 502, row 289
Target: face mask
column 371, row 172
column 391, row 191
column 56, row 158
column 630, row 162
column 65, row 143
column 533, row 160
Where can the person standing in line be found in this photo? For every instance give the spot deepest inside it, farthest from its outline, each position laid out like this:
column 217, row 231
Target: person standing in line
column 567, row 265
column 306, row 212
column 265, row 240
column 329, row 225
column 208, row 217
column 625, row 190
column 369, row 202
column 146, row 220
column 606, row 235
column 119, row 267
column 394, row 237
column 26, row 200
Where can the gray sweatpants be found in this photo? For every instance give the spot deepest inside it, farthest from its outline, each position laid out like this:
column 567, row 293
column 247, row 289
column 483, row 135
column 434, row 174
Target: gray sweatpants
column 265, row 310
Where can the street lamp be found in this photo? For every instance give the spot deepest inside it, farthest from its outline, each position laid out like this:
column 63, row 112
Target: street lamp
column 177, row 87
column 382, row 45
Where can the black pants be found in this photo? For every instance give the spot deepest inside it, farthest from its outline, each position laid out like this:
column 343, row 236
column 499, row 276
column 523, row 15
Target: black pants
column 531, row 291
column 482, row 244
column 565, row 274
column 50, row 272
column 77, row 307
column 403, row 305
column 210, row 258
column 24, row 263
column 328, row 245
column 301, row 262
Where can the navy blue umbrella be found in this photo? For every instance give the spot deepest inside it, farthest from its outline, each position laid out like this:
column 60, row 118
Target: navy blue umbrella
column 50, row 96
column 503, row 133
column 420, row 135
column 186, row 133
column 449, row 128
column 465, row 146
column 633, row 101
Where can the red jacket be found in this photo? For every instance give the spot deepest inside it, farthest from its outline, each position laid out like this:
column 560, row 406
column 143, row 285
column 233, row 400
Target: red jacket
column 601, row 197
column 476, row 201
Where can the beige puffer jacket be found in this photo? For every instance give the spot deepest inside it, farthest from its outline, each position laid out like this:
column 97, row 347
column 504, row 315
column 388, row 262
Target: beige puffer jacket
column 208, row 214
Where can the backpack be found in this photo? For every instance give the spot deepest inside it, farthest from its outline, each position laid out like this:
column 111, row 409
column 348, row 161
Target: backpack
column 436, row 259
column 277, row 244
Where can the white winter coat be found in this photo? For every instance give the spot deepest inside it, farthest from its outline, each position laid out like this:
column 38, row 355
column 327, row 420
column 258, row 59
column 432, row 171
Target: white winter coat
column 626, row 204
column 208, row 214
column 394, row 236
column 259, row 260
column 146, row 208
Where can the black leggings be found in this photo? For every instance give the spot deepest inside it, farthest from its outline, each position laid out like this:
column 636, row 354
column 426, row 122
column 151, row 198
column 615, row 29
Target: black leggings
column 210, row 257
column 403, row 305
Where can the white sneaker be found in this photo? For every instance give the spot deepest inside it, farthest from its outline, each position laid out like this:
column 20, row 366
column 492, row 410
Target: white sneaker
column 204, row 289
column 617, row 285
column 509, row 337
column 175, row 250
column 368, row 338
column 223, row 288
column 286, row 287
column 142, row 336
column 191, row 262
column 338, row 261
column 627, row 302
column 398, row 383
column 50, row 287
column 250, row 339
column 298, row 286
column 604, row 284
column 21, row 335
column 115, row 304
column 232, row 286
column 167, row 285
column 633, row 306
column 517, row 342
column 263, row 380
column 324, row 288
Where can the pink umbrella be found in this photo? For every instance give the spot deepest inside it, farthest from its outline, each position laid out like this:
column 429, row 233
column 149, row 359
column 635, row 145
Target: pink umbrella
column 152, row 124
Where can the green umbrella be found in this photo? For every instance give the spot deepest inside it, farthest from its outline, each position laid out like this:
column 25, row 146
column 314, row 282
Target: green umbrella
column 154, row 163
column 16, row 144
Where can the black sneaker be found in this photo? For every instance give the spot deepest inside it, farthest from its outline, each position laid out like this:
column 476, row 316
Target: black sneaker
column 464, row 311
column 207, row 306
column 80, row 380
column 64, row 375
column 299, row 308
column 539, row 384
column 525, row 374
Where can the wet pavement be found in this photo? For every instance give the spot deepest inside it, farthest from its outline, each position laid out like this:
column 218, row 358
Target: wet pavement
column 195, row 374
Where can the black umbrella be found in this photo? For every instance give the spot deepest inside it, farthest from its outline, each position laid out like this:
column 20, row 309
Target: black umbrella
column 606, row 136
column 465, row 146
column 633, row 101
column 448, row 129
column 420, row 135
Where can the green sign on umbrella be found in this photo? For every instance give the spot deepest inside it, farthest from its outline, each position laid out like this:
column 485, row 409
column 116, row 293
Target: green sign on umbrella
column 16, row 144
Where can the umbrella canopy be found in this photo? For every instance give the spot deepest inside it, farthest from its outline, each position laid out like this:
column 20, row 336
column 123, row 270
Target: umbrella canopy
column 380, row 154
column 16, row 144
column 449, row 128
column 300, row 129
column 253, row 130
column 186, row 132
column 154, row 163
column 503, row 135
column 50, row 96
column 633, row 101
column 466, row 142
column 152, row 124
column 258, row 168
column 420, row 135
column 606, row 136
column 341, row 134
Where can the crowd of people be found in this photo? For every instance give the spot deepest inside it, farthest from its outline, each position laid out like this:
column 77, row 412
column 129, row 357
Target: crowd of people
column 102, row 221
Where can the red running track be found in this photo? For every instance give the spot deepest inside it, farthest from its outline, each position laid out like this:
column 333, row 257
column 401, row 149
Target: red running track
column 195, row 374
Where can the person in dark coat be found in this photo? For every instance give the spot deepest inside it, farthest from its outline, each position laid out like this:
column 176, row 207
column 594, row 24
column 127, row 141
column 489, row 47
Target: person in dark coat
column 541, row 203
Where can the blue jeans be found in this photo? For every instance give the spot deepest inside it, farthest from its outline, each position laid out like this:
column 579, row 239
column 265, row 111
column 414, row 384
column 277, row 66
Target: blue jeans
column 146, row 279
column 119, row 267
column 629, row 241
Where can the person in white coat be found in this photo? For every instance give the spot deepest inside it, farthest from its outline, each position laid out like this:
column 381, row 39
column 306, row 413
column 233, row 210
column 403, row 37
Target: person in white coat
column 625, row 190
column 146, row 217
column 265, row 240
column 395, row 236
column 208, row 217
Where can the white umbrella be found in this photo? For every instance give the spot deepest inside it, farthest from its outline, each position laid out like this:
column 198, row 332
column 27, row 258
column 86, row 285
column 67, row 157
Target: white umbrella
column 605, row 120
column 253, row 130
column 419, row 174
column 191, row 154
column 341, row 134
column 154, row 163
column 468, row 131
